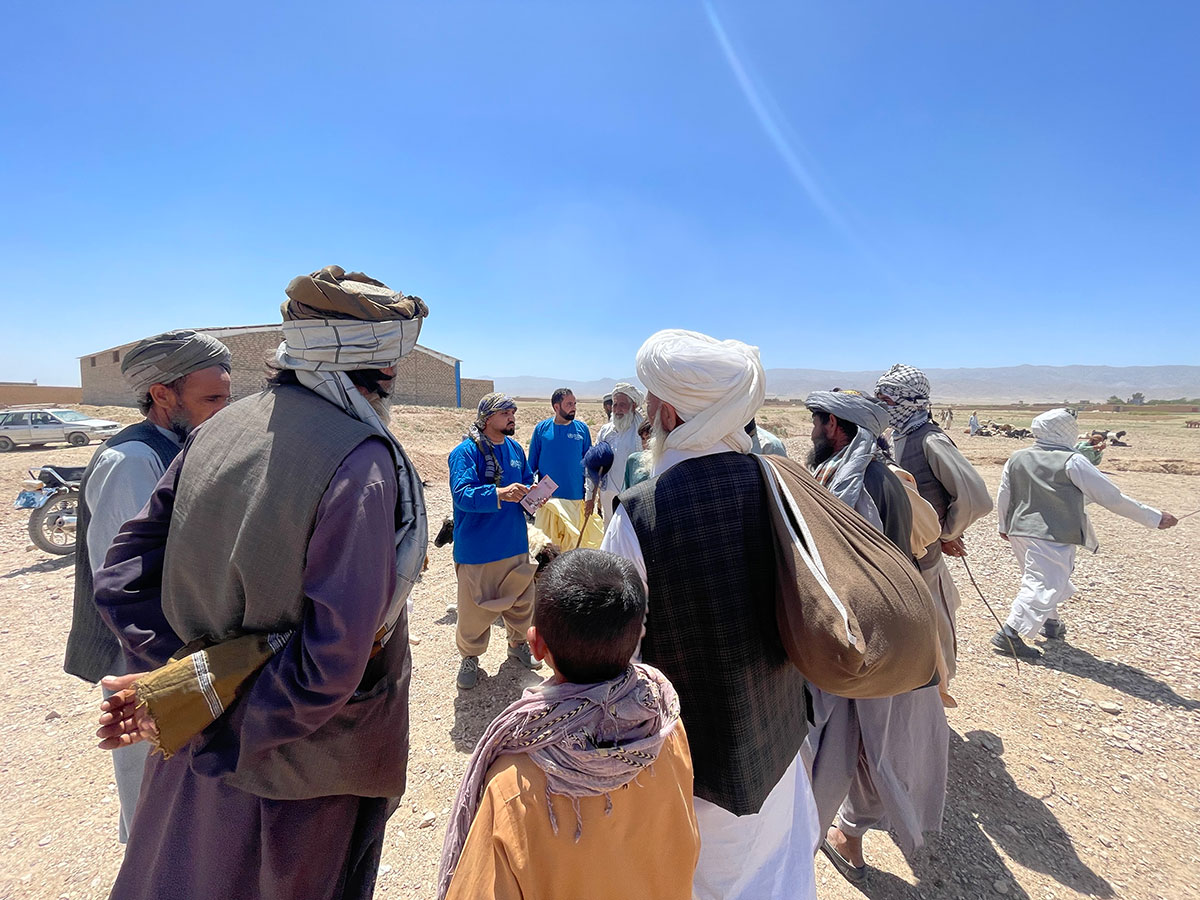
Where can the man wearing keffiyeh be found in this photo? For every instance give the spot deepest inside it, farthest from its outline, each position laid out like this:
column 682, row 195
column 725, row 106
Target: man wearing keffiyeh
column 944, row 478
column 286, row 537
column 489, row 476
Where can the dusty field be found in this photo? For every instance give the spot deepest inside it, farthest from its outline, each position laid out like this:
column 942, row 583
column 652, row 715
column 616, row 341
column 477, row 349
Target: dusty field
column 1050, row 796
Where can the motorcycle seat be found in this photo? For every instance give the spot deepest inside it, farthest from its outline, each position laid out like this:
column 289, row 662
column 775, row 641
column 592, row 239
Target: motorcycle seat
column 65, row 474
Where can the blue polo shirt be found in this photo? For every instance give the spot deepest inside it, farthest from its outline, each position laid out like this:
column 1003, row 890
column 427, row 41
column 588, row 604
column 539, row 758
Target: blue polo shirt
column 557, row 451
column 485, row 528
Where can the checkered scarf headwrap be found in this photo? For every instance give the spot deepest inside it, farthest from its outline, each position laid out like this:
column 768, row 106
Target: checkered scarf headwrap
column 909, row 388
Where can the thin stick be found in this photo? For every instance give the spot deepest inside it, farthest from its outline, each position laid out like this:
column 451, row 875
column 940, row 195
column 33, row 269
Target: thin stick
column 582, row 529
column 1192, row 513
column 993, row 612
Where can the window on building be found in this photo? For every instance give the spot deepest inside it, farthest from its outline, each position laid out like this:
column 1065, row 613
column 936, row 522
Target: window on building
column 93, row 361
column 116, row 356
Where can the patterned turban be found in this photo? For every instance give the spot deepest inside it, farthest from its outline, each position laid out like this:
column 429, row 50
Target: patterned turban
column 493, row 403
column 332, row 293
column 1055, row 429
column 169, row 356
column 909, row 388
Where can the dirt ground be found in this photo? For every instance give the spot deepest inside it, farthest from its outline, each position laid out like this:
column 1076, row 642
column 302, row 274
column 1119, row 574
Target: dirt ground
column 1076, row 776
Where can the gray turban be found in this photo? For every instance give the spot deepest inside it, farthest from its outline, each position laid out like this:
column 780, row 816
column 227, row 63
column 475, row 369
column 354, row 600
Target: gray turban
column 851, row 406
column 169, row 356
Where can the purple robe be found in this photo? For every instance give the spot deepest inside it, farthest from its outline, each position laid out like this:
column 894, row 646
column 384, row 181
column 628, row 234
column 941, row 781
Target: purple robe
column 193, row 835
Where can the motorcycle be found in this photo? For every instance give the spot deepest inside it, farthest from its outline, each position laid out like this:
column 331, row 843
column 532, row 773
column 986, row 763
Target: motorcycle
column 52, row 492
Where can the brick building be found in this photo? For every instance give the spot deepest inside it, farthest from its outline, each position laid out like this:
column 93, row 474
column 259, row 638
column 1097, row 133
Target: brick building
column 423, row 378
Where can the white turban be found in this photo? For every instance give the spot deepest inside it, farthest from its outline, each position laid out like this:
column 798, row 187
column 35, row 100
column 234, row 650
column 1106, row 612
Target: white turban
column 624, row 387
column 169, row 356
column 1055, row 429
column 715, row 386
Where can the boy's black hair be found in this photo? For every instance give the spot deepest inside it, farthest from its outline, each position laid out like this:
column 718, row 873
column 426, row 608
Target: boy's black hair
column 589, row 610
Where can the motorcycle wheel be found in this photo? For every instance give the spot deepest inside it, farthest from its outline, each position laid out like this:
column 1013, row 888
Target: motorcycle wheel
column 45, row 525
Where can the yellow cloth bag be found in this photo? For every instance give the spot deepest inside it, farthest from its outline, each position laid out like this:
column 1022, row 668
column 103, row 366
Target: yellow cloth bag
column 561, row 520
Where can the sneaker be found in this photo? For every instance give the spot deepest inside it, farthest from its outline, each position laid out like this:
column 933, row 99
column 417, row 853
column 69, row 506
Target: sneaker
column 1006, row 640
column 1054, row 628
column 522, row 655
column 468, row 673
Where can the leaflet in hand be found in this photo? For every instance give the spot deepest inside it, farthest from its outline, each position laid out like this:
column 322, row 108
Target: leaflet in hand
column 539, row 494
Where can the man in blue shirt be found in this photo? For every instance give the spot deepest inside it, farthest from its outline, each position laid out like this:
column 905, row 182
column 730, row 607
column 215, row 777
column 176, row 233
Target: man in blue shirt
column 558, row 445
column 489, row 476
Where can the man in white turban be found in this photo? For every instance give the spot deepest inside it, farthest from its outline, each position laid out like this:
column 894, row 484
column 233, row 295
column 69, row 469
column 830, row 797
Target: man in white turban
column 1040, row 512
column 621, row 433
column 699, row 533
column 178, row 380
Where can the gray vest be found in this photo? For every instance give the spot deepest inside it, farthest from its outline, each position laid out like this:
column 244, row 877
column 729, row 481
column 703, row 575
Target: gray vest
column 913, row 461
column 92, row 648
column 711, row 625
column 245, row 507
column 1043, row 501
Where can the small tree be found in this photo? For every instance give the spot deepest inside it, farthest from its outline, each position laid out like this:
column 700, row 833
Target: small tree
column 1138, row 399
column 1115, row 400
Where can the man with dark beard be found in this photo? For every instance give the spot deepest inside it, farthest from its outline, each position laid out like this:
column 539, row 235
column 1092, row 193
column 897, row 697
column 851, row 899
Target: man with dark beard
column 878, row 763
column 179, row 379
column 489, row 476
column 557, row 446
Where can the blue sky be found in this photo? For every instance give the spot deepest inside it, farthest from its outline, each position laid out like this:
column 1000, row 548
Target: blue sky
column 845, row 185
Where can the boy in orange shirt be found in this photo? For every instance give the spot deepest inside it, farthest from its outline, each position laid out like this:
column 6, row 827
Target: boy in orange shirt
column 554, row 802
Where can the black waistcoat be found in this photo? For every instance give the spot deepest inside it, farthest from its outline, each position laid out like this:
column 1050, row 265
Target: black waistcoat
column 705, row 533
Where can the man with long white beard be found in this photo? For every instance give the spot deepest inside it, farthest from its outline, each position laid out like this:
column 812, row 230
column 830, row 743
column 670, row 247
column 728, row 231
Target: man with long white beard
column 1040, row 512
column 700, row 534
column 622, row 435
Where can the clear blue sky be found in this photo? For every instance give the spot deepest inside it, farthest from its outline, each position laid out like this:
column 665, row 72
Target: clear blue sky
column 844, row 184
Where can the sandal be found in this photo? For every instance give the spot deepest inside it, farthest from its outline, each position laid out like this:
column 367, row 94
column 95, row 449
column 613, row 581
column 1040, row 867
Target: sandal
column 852, row 873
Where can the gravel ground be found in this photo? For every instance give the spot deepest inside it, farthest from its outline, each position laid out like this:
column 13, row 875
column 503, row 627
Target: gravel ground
column 1075, row 777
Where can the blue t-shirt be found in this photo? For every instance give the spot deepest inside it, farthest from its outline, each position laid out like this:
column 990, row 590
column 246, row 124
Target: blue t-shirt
column 557, row 451
column 485, row 528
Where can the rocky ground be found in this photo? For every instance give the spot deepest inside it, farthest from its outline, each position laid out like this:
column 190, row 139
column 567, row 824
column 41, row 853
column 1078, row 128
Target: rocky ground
column 1076, row 776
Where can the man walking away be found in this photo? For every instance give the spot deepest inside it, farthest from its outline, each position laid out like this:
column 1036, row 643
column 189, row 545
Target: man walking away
column 700, row 533
column 294, row 514
column 1040, row 509
column 489, row 475
column 944, row 478
column 546, row 784
column 179, row 379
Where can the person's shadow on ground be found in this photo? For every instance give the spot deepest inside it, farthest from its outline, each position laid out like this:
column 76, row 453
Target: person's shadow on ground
column 980, row 809
column 475, row 709
column 1116, row 675
column 45, row 565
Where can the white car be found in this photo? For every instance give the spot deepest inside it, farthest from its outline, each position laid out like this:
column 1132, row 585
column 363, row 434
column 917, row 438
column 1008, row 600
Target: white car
column 44, row 426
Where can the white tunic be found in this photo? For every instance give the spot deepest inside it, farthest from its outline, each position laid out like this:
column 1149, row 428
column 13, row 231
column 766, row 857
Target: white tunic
column 623, row 443
column 1046, row 566
column 762, row 856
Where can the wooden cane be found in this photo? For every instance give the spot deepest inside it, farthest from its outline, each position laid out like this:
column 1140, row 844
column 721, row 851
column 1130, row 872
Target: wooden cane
column 582, row 529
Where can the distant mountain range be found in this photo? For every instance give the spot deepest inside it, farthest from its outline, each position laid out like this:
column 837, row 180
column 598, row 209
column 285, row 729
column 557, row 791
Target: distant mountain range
column 1008, row 384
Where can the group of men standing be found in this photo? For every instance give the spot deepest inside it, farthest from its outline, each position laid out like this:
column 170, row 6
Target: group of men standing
column 190, row 545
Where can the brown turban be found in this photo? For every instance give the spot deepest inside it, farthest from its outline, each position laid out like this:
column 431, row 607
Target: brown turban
column 332, row 293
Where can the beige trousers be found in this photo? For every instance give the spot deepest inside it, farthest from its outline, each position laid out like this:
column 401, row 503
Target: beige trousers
column 504, row 587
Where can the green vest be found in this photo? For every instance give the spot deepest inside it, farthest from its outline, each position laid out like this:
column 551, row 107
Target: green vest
column 245, row 507
column 1043, row 501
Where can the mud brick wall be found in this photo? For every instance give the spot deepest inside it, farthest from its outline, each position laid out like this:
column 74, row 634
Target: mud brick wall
column 422, row 378
column 14, row 394
column 473, row 390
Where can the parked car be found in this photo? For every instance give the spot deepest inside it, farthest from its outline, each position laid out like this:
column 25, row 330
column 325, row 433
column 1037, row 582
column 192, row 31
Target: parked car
column 39, row 426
